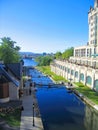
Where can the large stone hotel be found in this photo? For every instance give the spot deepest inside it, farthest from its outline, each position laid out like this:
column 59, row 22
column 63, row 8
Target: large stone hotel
column 83, row 65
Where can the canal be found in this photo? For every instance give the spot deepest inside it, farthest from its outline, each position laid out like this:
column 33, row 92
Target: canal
column 61, row 110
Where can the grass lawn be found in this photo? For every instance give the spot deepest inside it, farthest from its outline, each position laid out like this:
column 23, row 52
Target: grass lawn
column 12, row 119
column 86, row 91
column 46, row 70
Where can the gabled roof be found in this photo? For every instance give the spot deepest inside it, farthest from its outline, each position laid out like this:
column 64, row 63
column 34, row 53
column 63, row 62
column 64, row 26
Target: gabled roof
column 4, row 73
column 15, row 69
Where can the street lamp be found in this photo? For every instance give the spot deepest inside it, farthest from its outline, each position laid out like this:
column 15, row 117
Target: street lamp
column 33, row 115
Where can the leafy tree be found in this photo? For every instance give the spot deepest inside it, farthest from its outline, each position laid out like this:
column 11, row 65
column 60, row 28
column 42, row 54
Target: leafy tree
column 58, row 55
column 67, row 53
column 9, row 53
column 44, row 60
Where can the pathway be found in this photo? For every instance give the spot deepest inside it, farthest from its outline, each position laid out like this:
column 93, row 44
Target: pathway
column 27, row 115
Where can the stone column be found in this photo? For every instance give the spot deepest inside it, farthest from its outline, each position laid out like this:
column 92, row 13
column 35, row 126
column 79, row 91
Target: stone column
column 93, row 78
column 74, row 52
column 85, row 75
column 79, row 74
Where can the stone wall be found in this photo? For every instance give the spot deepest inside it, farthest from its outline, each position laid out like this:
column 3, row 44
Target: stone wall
column 77, row 73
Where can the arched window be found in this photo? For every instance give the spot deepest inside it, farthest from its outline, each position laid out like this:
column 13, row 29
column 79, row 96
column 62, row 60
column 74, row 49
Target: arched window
column 96, row 84
column 68, row 70
column 76, row 74
column 60, row 67
column 88, row 80
column 63, row 67
column 82, row 77
column 72, row 72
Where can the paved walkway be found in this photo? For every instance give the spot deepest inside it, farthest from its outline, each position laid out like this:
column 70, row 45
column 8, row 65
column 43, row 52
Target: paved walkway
column 27, row 115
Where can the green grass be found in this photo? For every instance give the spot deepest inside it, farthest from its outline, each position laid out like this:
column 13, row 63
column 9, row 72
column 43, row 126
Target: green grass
column 86, row 91
column 46, row 70
column 12, row 119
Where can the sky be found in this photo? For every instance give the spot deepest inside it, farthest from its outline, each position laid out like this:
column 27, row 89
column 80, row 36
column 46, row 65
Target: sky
column 45, row 25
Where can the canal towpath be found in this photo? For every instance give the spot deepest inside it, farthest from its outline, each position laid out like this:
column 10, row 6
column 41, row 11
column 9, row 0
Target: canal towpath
column 27, row 115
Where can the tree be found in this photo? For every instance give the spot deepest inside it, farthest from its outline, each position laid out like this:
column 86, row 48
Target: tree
column 67, row 53
column 44, row 60
column 9, row 53
column 58, row 55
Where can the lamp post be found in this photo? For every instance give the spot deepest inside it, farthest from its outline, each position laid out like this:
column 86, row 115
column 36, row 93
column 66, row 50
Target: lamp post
column 33, row 115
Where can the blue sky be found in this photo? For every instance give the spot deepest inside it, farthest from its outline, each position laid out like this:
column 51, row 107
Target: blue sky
column 45, row 25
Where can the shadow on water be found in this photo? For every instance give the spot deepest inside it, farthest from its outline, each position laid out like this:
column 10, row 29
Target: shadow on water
column 61, row 110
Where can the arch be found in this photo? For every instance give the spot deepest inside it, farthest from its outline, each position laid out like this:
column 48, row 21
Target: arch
column 72, row 72
column 96, row 84
column 65, row 69
column 68, row 70
column 61, row 67
column 76, row 74
column 58, row 66
column 82, row 76
column 89, row 80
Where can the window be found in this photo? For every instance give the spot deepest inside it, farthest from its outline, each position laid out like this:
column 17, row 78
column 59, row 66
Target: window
column 72, row 72
column 89, row 80
column 76, row 74
column 82, row 77
column 68, row 70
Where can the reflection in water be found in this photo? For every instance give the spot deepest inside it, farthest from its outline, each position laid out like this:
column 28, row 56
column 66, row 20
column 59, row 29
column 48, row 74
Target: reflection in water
column 29, row 62
column 61, row 110
column 91, row 118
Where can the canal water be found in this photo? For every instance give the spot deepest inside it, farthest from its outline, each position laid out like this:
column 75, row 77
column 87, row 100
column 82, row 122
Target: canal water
column 61, row 110
column 29, row 62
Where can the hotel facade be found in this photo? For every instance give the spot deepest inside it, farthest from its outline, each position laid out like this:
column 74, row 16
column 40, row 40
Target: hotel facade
column 83, row 65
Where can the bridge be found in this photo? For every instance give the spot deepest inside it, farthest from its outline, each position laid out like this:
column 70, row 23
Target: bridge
column 48, row 84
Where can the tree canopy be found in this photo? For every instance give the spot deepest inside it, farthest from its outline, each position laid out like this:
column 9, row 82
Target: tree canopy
column 44, row 60
column 65, row 55
column 9, row 53
column 58, row 55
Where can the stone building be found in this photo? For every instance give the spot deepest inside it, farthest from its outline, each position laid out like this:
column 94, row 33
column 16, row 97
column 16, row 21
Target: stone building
column 83, row 65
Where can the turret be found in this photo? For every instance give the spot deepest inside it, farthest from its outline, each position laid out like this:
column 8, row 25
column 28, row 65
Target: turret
column 96, row 4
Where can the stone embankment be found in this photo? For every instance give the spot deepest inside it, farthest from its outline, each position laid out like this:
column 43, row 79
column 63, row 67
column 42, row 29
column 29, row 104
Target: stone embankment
column 36, row 104
column 82, row 97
